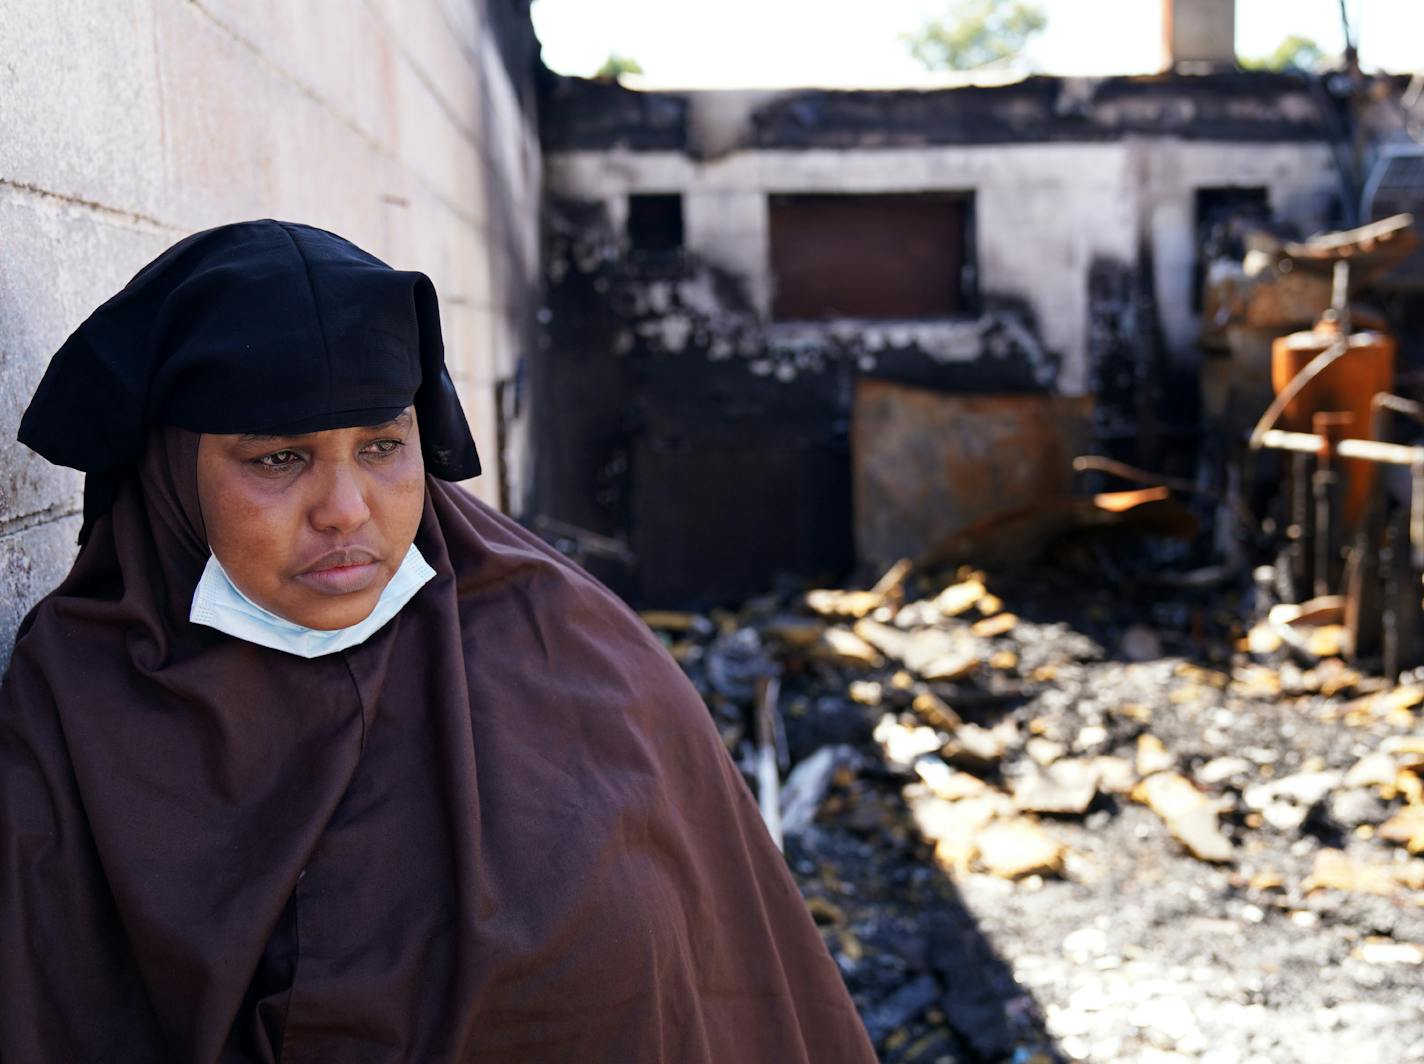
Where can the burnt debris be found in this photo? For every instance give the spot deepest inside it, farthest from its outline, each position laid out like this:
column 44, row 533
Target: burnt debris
column 1050, row 814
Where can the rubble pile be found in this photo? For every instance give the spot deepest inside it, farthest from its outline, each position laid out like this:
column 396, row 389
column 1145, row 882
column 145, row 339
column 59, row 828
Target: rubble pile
column 1041, row 818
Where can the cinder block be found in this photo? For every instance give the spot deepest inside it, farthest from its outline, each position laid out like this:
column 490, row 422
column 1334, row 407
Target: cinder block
column 221, row 113
column 80, row 115
column 32, row 563
column 57, row 264
column 443, row 48
column 506, row 343
column 504, row 122
column 244, row 142
column 466, row 19
column 479, row 404
column 448, row 248
column 342, row 55
column 466, row 330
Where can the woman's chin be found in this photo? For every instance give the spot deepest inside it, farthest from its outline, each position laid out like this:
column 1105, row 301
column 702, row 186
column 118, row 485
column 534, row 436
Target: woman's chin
column 329, row 613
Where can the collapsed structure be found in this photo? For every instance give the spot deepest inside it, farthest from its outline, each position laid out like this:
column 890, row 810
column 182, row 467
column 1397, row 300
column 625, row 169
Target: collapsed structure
column 787, row 332
column 1159, row 333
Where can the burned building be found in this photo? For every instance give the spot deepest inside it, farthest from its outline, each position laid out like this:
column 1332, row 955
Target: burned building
column 727, row 270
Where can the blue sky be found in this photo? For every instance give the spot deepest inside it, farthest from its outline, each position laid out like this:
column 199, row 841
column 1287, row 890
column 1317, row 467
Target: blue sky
column 771, row 43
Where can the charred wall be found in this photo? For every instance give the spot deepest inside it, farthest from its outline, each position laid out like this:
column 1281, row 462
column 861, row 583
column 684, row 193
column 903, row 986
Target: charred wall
column 673, row 417
column 702, row 409
column 585, row 115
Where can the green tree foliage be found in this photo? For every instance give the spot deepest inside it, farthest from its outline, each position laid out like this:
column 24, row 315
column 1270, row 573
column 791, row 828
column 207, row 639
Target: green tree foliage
column 1293, row 53
column 976, row 33
column 615, row 66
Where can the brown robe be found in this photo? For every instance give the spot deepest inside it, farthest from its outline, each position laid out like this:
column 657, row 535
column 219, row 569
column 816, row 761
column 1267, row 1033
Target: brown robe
column 503, row 829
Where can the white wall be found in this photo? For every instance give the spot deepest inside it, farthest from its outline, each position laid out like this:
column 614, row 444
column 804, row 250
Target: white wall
column 126, row 125
column 1043, row 211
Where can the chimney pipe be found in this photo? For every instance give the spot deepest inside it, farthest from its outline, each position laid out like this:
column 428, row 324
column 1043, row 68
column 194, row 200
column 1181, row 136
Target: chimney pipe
column 1198, row 36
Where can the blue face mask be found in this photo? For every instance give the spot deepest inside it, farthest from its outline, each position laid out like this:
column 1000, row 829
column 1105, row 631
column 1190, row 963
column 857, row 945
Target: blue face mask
column 217, row 603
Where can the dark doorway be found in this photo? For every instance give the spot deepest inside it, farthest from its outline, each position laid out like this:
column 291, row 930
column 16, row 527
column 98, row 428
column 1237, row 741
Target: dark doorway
column 1224, row 217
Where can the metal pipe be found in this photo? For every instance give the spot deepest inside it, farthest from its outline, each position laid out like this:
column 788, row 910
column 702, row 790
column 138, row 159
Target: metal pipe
column 1094, row 463
column 1399, row 404
column 1382, row 401
column 1368, row 450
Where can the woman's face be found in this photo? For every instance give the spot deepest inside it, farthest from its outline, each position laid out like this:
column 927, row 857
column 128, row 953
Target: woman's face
column 313, row 527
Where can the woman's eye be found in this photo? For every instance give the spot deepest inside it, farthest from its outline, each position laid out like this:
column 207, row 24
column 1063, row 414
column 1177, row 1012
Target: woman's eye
column 384, row 447
column 278, row 460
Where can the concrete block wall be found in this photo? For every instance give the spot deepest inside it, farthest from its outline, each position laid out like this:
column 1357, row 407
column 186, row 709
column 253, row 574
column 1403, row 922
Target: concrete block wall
column 125, row 126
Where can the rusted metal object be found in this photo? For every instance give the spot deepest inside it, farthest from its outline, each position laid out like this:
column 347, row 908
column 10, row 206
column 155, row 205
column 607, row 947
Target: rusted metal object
column 928, row 466
column 1337, row 382
column 1347, row 385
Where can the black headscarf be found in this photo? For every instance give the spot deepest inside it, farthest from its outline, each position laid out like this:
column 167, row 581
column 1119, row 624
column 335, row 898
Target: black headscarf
column 340, row 339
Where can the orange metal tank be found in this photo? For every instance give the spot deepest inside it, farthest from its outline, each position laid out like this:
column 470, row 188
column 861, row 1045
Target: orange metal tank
column 1347, row 384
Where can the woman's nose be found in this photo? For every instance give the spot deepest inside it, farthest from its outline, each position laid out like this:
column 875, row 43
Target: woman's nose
column 340, row 504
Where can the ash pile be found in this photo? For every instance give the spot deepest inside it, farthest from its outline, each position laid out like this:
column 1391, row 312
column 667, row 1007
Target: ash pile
column 1091, row 813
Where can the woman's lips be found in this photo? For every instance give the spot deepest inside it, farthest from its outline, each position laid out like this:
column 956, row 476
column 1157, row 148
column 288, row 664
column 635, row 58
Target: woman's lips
column 341, row 579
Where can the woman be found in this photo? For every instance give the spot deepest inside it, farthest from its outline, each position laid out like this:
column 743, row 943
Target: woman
column 314, row 757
